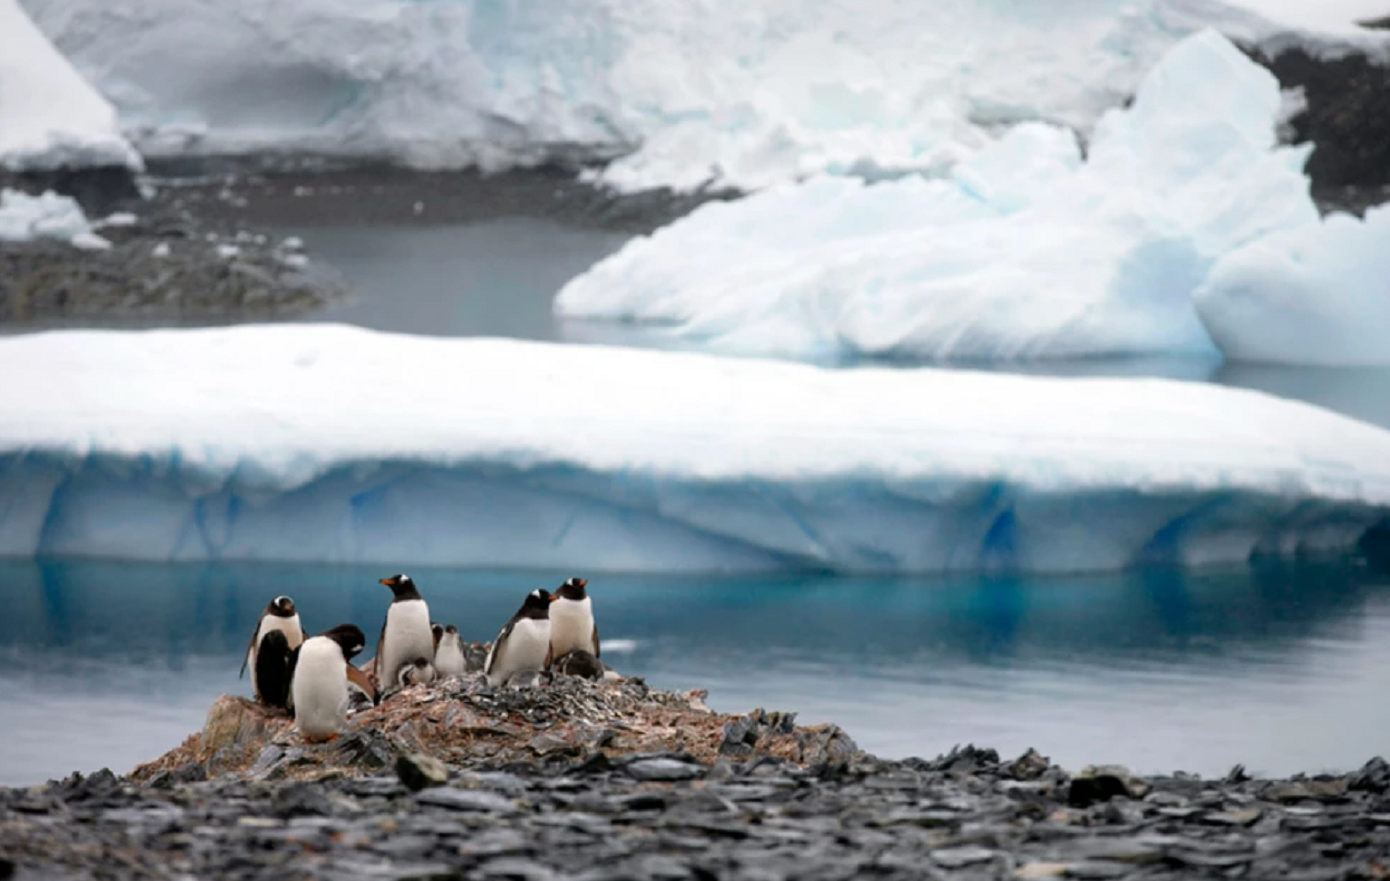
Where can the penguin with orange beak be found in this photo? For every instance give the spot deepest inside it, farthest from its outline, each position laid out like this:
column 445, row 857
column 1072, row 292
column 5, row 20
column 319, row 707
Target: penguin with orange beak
column 572, row 626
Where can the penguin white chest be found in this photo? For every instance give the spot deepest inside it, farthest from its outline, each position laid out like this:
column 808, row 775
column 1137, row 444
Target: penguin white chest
column 408, row 636
column 294, row 635
column 320, row 689
column 525, row 648
column 571, row 626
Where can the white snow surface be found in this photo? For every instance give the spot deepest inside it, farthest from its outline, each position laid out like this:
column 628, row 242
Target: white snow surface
column 24, row 218
column 741, row 93
column 49, row 116
column 1026, row 251
column 340, row 444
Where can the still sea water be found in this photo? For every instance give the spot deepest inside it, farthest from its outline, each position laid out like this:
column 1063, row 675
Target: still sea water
column 1283, row 669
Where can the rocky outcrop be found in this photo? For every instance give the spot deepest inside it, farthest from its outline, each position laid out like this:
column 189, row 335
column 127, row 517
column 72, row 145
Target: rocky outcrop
column 465, row 723
column 1347, row 118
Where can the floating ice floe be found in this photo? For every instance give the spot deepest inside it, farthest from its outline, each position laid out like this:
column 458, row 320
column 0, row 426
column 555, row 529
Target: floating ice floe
column 1029, row 251
column 329, row 443
column 723, row 93
column 24, row 218
column 49, row 116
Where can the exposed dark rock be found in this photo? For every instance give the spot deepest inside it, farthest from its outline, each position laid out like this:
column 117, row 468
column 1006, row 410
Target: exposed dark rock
column 99, row 190
column 1347, row 119
column 1098, row 783
column 418, row 771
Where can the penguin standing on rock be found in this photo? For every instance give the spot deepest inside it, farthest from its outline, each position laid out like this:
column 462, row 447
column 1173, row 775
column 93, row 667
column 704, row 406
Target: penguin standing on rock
column 406, row 634
column 320, row 684
column 524, row 644
column 572, row 626
column 448, row 654
column 269, row 674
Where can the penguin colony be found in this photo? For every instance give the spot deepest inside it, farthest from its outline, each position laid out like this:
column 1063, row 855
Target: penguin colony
column 315, row 679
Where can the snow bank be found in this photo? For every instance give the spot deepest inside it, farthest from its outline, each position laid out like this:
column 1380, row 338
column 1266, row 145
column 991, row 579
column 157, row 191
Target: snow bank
column 719, row 92
column 24, row 218
column 1025, row 252
column 49, row 116
column 340, row 444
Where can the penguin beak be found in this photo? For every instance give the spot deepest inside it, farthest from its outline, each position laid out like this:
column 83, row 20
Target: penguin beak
column 553, row 598
column 581, row 582
column 388, row 582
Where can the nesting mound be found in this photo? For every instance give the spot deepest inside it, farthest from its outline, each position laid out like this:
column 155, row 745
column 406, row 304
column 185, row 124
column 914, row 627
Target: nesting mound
column 467, row 723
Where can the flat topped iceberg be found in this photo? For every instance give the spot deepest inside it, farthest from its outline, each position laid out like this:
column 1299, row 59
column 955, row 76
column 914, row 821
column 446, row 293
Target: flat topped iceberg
column 49, row 116
column 740, row 93
column 332, row 443
column 1027, row 251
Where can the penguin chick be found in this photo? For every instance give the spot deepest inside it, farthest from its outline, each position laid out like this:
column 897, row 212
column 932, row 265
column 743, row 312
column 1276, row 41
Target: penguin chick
column 418, row 672
column 320, row 685
column 405, row 633
column 448, row 656
column 572, row 625
column 524, row 643
column 577, row 663
column 279, row 615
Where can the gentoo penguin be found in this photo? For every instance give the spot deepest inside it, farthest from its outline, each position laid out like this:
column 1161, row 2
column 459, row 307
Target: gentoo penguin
column 448, row 655
column 320, row 686
column 572, row 625
column 524, row 644
column 280, row 615
column 405, row 634
column 577, row 663
column 418, row 672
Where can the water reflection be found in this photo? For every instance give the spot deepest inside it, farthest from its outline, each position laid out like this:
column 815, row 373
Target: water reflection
column 1278, row 667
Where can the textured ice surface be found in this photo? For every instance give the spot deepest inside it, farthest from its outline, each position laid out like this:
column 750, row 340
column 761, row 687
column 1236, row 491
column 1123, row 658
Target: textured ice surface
column 334, row 443
column 50, row 116
column 726, row 92
column 1028, row 252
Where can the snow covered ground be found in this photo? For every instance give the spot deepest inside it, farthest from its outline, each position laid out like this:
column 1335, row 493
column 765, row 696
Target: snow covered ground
column 333, row 443
column 743, row 93
column 1183, row 231
column 49, row 116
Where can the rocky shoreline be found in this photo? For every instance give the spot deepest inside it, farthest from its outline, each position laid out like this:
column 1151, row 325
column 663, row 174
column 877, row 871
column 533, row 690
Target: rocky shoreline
column 580, row 779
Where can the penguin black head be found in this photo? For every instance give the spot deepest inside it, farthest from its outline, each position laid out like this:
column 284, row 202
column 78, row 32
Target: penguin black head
column 537, row 604
column 402, row 587
column 573, row 589
column 281, row 607
column 349, row 638
column 451, row 629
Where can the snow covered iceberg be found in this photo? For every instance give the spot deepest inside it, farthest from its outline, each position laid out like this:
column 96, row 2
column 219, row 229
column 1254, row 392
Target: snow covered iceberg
column 24, row 218
column 739, row 93
column 49, row 116
column 1026, row 252
column 340, row 444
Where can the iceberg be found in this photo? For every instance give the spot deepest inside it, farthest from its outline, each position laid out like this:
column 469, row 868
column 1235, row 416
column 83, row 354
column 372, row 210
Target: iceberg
column 332, row 443
column 24, row 218
column 723, row 93
column 49, row 116
column 1313, row 295
column 1151, row 245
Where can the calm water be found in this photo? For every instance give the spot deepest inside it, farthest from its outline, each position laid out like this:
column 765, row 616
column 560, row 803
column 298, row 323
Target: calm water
column 1282, row 669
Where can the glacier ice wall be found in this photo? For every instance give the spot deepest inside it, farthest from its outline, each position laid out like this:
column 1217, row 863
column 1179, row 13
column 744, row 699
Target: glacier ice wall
column 331, row 443
column 717, row 92
column 1028, row 252
column 50, row 116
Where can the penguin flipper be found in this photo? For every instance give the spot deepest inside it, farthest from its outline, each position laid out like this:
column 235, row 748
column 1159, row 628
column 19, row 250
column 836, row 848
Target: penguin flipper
column 380, row 647
column 596, row 652
column 291, row 665
column 498, row 645
column 251, row 647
